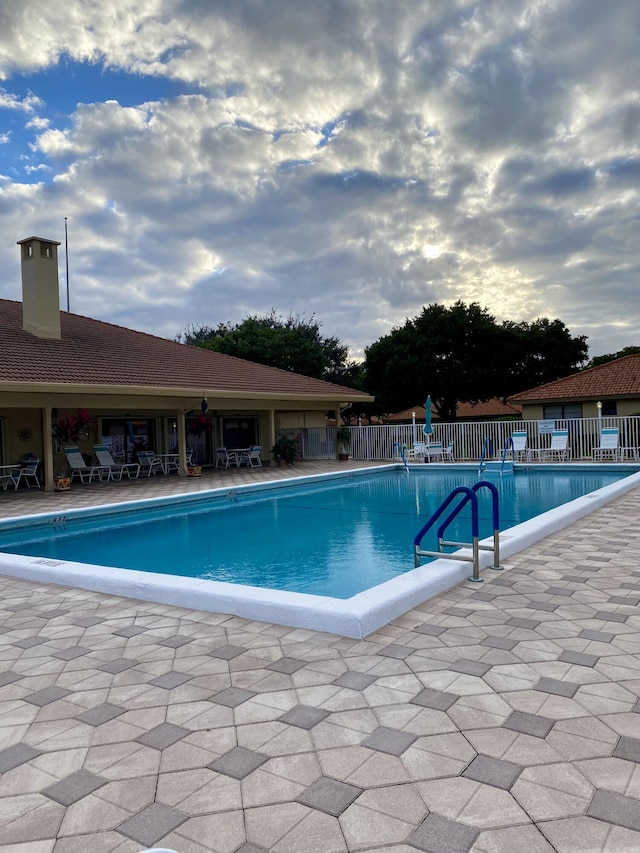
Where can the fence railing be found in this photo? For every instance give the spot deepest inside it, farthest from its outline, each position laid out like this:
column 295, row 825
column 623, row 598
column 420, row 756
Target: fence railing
column 376, row 443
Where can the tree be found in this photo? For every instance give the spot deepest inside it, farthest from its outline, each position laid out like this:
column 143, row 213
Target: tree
column 292, row 343
column 612, row 356
column 461, row 354
column 449, row 353
column 539, row 352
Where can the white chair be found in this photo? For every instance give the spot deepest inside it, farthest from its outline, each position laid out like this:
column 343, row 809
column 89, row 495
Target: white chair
column 559, row 448
column 434, row 450
column 518, row 447
column 609, row 444
column 417, row 452
column 224, row 458
column 447, row 453
column 251, row 458
column 28, row 472
column 79, row 468
column 116, row 470
column 149, row 462
column 171, row 463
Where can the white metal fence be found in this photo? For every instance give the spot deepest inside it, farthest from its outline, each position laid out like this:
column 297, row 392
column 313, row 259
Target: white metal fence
column 377, row 442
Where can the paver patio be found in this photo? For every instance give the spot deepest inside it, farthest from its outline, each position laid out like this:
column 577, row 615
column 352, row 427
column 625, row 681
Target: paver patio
column 497, row 718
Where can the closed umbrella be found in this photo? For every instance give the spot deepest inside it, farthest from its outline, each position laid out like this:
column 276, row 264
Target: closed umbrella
column 426, row 429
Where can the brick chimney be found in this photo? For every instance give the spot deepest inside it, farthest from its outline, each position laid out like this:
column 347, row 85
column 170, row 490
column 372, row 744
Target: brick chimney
column 40, row 287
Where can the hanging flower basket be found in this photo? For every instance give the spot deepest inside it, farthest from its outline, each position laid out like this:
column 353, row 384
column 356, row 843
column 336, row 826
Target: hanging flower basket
column 68, row 430
column 196, row 426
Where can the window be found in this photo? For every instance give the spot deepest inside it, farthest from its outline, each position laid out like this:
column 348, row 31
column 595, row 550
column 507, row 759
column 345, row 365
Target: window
column 609, row 408
column 562, row 411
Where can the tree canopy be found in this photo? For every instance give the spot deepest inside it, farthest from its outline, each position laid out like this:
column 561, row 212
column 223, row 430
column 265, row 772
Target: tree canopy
column 290, row 343
column 462, row 354
column 456, row 354
column 612, row 356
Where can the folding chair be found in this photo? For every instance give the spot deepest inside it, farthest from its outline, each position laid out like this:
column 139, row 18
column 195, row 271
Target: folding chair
column 79, row 468
column 116, row 470
column 149, row 462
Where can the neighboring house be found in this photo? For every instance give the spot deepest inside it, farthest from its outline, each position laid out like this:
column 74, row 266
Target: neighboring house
column 143, row 391
column 491, row 410
column 609, row 389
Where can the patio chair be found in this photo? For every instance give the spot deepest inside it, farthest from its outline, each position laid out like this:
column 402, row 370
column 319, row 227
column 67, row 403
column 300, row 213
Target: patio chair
column 149, row 462
column 79, row 468
column 116, row 469
column 251, row 458
column 559, row 448
column 225, row 457
column 609, row 444
column 417, row 452
column 28, row 472
column 433, row 450
column 447, row 453
column 171, row 462
column 518, row 447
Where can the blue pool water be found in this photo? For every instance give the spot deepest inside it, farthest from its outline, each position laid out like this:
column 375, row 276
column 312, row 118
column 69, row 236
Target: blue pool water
column 336, row 537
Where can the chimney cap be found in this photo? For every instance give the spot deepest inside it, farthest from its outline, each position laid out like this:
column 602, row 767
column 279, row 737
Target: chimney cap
column 41, row 239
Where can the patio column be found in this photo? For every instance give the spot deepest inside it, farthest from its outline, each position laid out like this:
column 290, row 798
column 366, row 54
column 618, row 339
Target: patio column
column 182, row 443
column 47, row 449
column 336, row 415
column 271, row 430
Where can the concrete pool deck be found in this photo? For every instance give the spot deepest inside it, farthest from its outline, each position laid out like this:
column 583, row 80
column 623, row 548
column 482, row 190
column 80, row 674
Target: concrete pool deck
column 491, row 719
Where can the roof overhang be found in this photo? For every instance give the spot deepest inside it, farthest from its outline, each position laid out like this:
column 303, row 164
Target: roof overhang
column 339, row 397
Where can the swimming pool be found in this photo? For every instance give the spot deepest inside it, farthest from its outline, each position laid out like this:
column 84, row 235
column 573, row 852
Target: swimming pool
column 359, row 521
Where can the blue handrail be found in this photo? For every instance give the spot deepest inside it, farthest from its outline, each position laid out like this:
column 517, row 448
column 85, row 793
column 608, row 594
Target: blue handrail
column 401, row 451
column 508, row 442
column 469, row 496
column 487, row 450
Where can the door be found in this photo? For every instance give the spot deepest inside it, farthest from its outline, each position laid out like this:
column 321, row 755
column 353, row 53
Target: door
column 125, row 436
column 239, row 432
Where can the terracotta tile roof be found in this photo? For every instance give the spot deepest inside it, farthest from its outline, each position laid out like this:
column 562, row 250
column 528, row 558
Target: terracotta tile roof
column 95, row 353
column 494, row 408
column 618, row 378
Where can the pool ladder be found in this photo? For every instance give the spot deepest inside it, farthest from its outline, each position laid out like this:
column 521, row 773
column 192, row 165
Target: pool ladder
column 469, row 496
column 489, row 465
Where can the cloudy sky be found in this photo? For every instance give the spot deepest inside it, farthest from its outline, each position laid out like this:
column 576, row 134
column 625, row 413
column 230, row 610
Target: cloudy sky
column 352, row 159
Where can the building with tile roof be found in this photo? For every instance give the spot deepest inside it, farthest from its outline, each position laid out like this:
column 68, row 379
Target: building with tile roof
column 142, row 391
column 609, row 389
column 488, row 410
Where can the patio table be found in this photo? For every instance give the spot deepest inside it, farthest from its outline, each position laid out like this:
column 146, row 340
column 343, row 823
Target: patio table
column 9, row 474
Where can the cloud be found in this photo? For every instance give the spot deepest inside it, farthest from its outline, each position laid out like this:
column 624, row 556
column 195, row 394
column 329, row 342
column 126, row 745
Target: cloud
column 353, row 159
column 9, row 101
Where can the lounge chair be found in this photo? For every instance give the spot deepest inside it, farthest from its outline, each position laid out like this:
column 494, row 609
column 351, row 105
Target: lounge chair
column 225, row 457
column 559, row 448
column 609, row 444
column 518, row 446
column 149, row 462
column 79, row 468
column 251, row 458
column 116, row 469
column 29, row 473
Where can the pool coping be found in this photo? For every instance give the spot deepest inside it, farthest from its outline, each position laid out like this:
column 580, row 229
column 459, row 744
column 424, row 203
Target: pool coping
column 354, row 617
